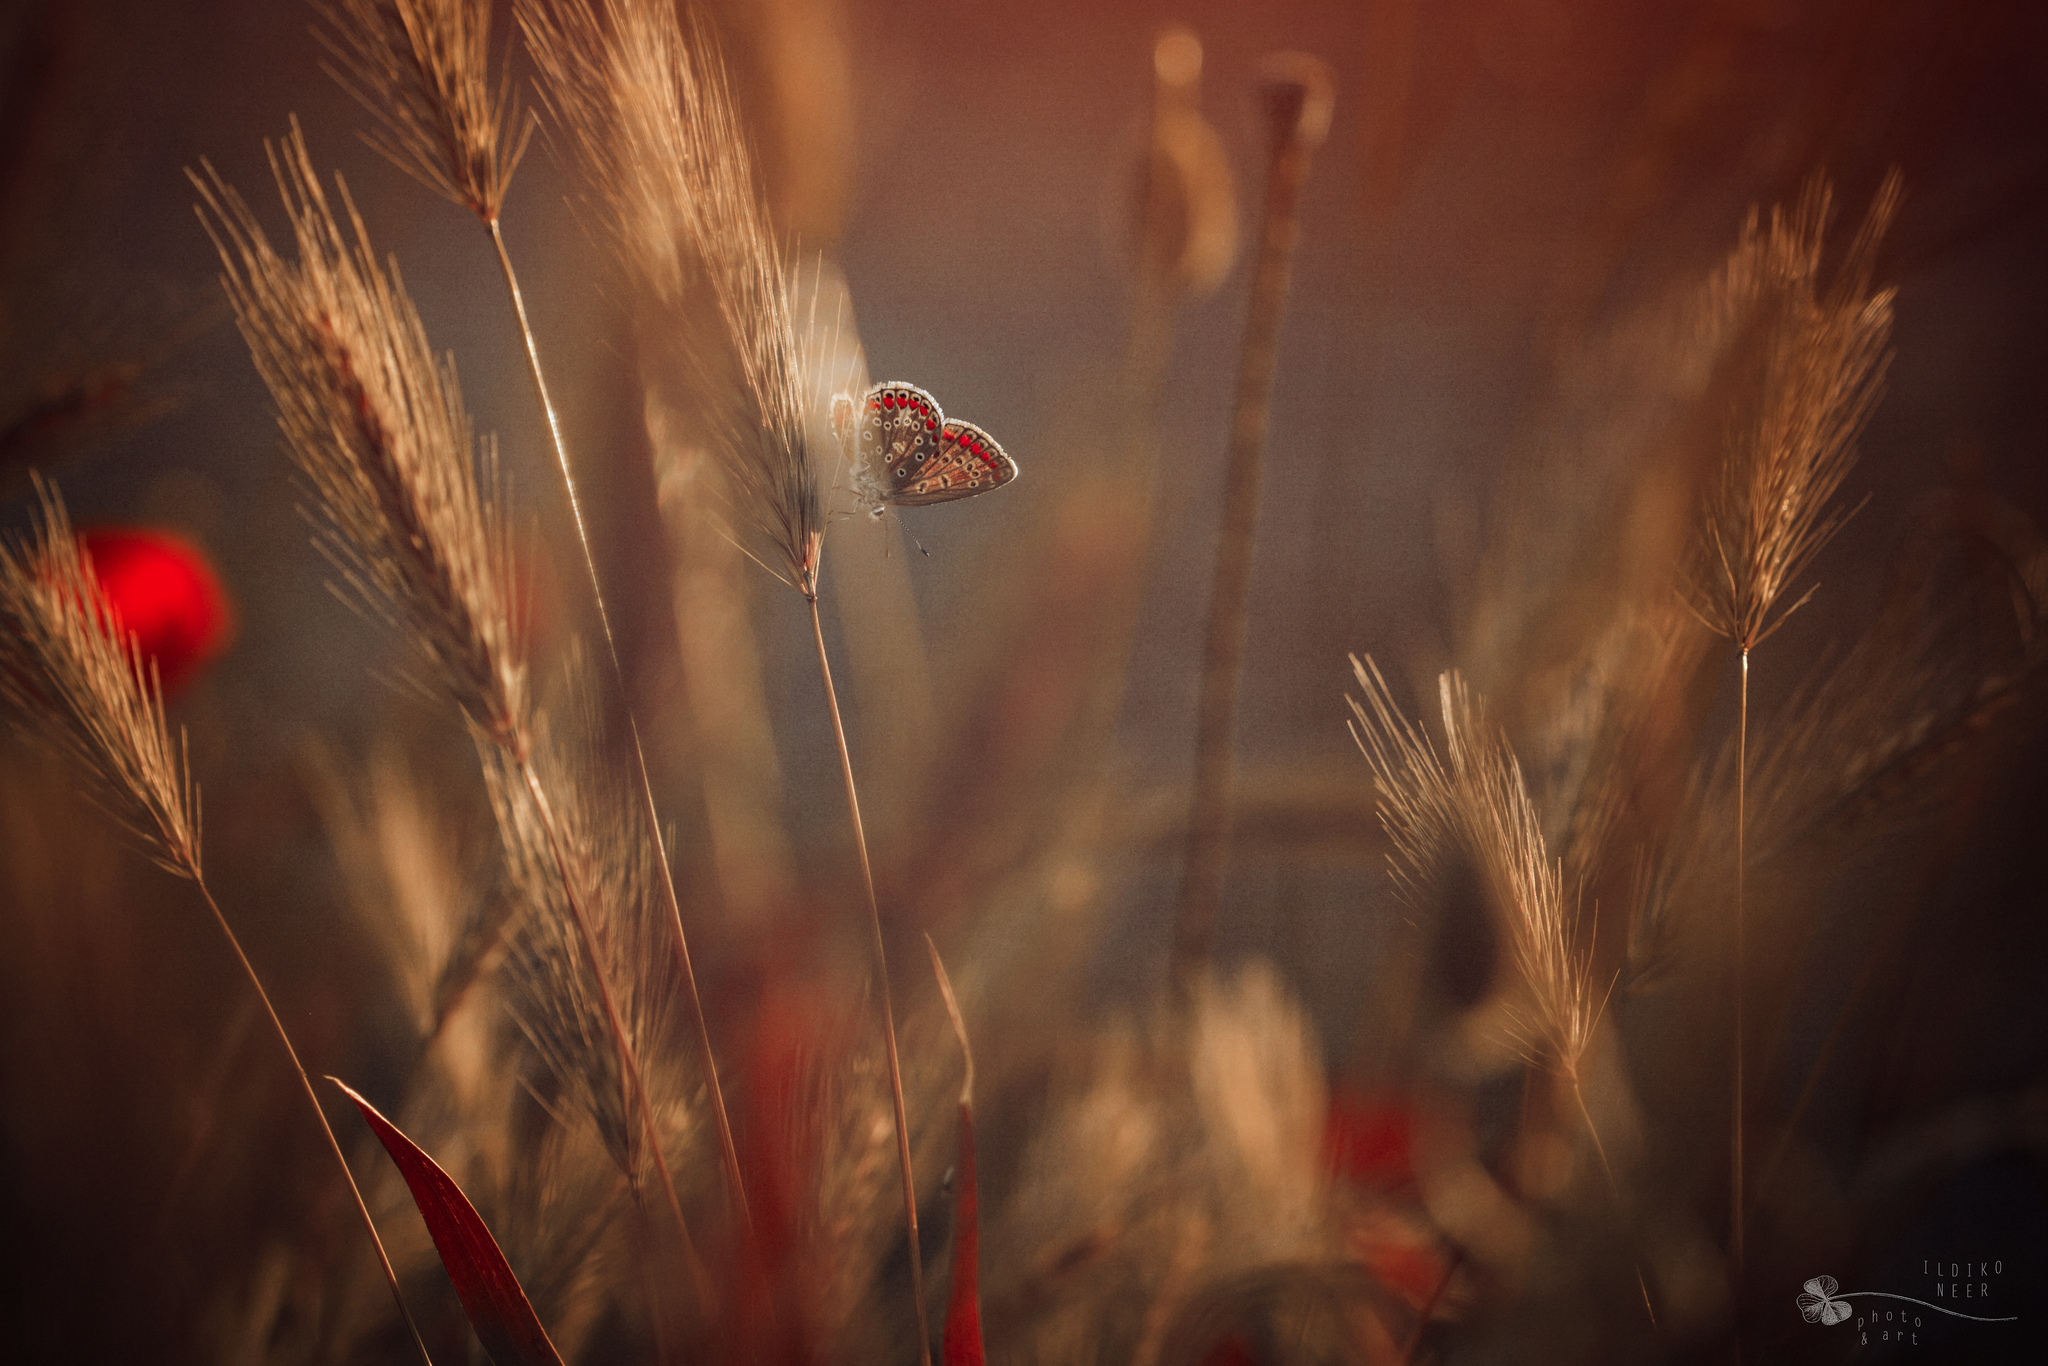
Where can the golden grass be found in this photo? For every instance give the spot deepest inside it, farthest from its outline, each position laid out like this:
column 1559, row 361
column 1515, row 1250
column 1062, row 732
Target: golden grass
column 375, row 422
column 422, row 67
column 1213, row 1169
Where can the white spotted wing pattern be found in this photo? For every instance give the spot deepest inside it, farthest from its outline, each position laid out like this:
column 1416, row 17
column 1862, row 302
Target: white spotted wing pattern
column 904, row 452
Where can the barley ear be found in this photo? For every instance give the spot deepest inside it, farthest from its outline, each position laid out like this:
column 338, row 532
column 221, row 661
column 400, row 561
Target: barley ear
column 72, row 679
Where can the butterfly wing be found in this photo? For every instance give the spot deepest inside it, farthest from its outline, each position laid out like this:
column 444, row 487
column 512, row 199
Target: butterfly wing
column 890, row 435
column 968, row 461
column 905, row 453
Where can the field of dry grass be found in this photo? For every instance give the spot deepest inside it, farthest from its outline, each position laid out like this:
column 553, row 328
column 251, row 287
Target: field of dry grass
column 530, row 831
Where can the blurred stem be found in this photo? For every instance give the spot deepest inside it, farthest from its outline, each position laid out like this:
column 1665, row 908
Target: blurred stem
column 1735, row 1215
column 1208, row 852
column 860, row 844
column 1883, row 947
column 728, row 1152
column 1451, row 1265
column 616, row 1023
column 1614, row 1186
column 191, row 870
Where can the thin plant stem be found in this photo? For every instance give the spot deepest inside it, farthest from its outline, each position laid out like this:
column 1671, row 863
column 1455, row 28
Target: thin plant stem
column 313, row 1099
column 860, row 843
column 652, row 1284
column 1298, row 111
column 1735, row 1216
column 627, row 1059
column 1881, row 948
column 728, row 1151
column 1614, row 1186
column 1429, row 1305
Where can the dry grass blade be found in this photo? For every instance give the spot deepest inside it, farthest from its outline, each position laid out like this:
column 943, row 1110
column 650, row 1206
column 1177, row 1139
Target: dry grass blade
column 599, row 856
column 422, row 67
column 648, row 111
column 1820, row 362
column 73, row 680
column 1476, row 811
column 376, row 424
column 584, row 867
column 961, row 1344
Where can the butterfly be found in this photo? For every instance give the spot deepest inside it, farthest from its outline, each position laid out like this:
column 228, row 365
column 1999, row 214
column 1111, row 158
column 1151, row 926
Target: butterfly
column 904, row 452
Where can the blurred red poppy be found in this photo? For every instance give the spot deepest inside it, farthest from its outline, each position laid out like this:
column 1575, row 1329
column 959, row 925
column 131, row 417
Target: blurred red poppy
column 165, row 593
column 1369, row 1139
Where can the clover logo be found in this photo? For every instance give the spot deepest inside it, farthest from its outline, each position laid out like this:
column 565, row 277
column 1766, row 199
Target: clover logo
column 1819, row 1304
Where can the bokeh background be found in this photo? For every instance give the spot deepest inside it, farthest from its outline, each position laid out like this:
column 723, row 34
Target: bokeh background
column 1506, row 185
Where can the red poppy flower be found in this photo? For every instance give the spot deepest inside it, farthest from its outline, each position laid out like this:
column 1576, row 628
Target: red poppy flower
column 165, row 594
column 1370, row 1139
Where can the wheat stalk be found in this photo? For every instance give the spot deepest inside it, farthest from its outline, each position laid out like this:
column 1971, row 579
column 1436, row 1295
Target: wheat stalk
column 72, row 680
column 375, row 422
column 650, row 113
column 1475, row 810
column 1819, row 369
column 378, row 428
column 1299, row 92
column 428, row 60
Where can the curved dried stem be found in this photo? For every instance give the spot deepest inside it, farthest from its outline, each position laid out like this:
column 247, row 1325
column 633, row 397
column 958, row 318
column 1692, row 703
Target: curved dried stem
column 1298, row 92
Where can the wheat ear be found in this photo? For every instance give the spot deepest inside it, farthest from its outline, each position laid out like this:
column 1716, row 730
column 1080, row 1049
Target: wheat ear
column 649, row 110
column 1820, row 367
column 74, row 681
column 377, row 426
column 422, row 66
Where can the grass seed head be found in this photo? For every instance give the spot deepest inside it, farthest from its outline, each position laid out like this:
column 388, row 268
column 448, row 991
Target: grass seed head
column 375, row 423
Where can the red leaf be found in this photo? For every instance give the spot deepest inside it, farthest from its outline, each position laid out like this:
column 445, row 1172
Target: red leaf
column 962, row 1343
column 491, row 1295
column 161, row 589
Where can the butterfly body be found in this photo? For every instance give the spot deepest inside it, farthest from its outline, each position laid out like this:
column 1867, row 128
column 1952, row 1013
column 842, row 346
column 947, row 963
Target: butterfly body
column 905, row 452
